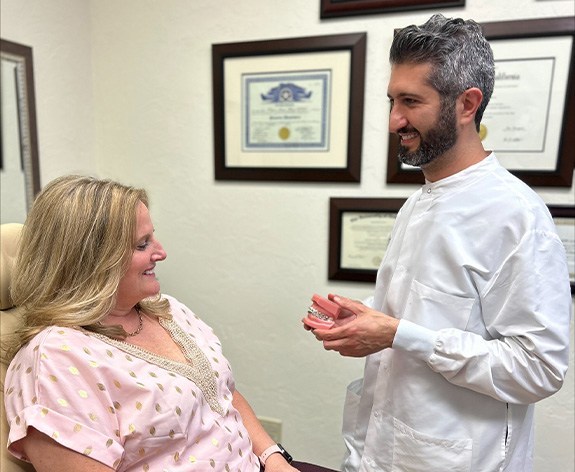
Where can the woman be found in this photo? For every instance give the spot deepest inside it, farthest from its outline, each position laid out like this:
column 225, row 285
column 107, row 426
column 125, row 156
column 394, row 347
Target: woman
column 107, row 374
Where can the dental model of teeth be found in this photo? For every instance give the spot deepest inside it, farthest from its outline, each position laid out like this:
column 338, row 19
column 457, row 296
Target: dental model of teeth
column 322, row 313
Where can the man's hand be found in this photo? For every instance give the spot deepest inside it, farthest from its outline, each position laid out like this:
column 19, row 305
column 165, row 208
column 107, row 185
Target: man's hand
column 360, row 332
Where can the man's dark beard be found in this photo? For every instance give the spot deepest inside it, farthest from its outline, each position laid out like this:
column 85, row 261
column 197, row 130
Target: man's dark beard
column 436, row 142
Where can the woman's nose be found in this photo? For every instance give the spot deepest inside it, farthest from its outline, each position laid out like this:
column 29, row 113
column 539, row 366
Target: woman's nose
column 159, row 252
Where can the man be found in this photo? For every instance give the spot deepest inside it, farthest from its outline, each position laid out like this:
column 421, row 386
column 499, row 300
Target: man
column 469, row 325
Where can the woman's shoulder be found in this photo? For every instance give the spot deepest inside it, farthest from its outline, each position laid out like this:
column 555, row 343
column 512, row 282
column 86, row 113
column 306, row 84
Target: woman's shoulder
column 171, row 299
column 59, row 336
column 51, row 343
column 177, row 308
column 186, row 318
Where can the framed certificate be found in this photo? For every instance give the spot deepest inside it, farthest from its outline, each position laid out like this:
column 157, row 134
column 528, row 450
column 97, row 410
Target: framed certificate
column 19, row 150
column 289, row 109
column 530, row 117
column 338, row 8
column 359, row 231
column 564, row 217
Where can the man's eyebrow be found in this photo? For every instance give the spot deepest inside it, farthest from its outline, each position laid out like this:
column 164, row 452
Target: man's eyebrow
column 404, row 94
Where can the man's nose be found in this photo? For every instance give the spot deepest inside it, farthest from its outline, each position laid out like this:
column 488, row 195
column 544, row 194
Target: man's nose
column 397, row 120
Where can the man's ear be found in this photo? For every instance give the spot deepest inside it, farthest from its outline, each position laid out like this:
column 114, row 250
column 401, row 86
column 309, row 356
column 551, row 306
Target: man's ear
column 469, row 102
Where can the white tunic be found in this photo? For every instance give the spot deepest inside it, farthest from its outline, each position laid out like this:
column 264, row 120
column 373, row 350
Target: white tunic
column 478, row 276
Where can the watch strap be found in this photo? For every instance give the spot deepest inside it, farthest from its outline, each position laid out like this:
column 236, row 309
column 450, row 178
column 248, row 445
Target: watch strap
column 268, row 452
column 272, row 450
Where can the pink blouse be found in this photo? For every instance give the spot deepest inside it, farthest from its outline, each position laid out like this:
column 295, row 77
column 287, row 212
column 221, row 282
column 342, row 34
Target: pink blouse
column 126, row 407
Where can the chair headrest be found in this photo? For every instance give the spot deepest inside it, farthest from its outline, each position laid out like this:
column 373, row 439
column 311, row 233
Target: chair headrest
column 9, row 237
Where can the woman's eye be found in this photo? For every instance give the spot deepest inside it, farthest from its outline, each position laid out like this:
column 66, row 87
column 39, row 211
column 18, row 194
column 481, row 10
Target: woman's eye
column 143, row 246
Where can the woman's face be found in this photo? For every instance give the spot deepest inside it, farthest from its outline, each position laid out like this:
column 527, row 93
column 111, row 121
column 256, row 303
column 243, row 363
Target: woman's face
column 140, row 281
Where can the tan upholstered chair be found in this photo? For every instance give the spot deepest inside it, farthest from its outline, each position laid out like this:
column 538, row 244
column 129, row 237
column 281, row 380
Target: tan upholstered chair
column 9, row 234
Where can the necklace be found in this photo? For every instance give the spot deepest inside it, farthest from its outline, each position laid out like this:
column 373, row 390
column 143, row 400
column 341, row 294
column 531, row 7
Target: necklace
column 140, row 326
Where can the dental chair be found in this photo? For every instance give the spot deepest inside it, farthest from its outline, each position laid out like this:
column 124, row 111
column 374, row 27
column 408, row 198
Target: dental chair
column 9, row 235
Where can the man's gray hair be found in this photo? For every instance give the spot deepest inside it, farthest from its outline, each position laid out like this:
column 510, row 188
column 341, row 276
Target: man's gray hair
column 460, row 56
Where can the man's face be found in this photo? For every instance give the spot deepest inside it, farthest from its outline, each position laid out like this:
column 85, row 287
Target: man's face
column 426, row 126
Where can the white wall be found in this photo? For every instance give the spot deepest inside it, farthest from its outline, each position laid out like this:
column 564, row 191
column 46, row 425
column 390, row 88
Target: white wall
column 59, row 32
column 124, row 91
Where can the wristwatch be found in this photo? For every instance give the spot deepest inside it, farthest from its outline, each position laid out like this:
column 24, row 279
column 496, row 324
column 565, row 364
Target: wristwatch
column 272, row 450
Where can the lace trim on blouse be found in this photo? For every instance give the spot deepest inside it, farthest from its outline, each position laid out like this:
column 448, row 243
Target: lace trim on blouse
column 199, row 369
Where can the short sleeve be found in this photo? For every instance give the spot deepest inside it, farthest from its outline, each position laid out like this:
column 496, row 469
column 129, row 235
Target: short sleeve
column 52, row 385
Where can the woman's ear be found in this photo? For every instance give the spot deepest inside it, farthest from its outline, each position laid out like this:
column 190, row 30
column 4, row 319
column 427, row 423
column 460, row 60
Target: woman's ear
column 469, row 103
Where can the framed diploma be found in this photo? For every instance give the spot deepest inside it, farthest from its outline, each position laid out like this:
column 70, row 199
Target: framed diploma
column 564, row 217
column 289, row 109
column 359, row 231
column 337, row 8
column 530, row 117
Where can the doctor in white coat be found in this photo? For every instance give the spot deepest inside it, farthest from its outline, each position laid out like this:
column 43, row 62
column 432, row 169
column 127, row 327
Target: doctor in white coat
column 469, row 325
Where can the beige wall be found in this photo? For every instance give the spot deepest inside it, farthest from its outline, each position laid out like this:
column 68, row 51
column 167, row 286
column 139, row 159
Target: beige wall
column 124, row 91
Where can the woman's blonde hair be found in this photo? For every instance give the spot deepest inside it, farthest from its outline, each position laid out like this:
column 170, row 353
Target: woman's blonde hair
column 76, row 244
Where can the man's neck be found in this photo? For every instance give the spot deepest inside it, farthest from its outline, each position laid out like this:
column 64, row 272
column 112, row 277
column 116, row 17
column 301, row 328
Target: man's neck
column 459, row 157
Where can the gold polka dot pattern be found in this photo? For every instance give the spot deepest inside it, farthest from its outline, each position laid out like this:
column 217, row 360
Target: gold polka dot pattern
column 128, row 408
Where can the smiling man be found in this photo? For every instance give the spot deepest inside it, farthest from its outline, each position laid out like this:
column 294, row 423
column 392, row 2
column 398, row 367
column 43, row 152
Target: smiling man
column 418, row 100
column 469, row 324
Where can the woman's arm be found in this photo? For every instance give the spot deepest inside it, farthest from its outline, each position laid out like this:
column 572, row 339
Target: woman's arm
column 46, row 455
column 261, row 440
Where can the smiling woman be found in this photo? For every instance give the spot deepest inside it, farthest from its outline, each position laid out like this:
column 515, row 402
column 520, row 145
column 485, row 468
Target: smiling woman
column 19, row 168
column 127, row 378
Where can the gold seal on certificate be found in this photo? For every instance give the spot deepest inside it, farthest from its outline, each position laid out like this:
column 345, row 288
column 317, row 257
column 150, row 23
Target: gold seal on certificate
column 284, row 133
column 482, row 131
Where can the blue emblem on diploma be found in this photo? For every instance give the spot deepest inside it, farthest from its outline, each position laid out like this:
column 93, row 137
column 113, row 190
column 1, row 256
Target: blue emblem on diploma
column 286, row 93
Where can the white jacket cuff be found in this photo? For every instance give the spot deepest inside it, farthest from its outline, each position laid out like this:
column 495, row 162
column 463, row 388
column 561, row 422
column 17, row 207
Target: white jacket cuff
column 416, row 339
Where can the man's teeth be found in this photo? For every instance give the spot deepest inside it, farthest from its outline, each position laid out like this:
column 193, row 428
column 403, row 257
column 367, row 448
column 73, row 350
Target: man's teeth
column 148, row 272
column 405, row 137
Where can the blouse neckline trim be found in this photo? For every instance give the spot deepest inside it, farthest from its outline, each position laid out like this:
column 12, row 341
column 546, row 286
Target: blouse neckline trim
column 198, row 369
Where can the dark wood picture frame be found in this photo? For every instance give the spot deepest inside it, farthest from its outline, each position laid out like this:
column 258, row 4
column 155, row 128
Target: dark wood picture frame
column 339, row 8
column 564, row 211
column 355, row 44
column 337, row 208
column 562, row 176
column 28, row 128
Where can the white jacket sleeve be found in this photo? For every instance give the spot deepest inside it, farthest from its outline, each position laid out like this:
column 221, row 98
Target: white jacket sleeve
column 526, row 309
